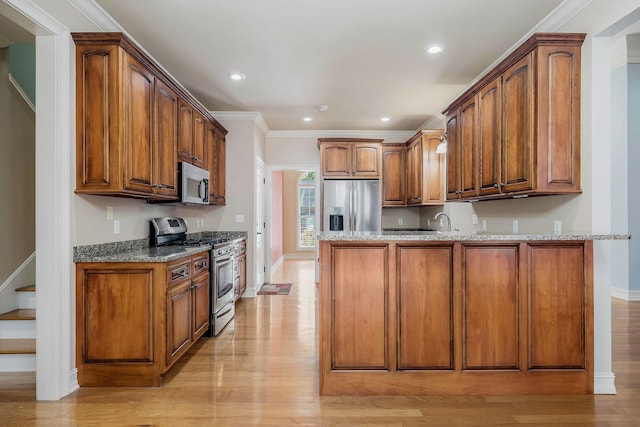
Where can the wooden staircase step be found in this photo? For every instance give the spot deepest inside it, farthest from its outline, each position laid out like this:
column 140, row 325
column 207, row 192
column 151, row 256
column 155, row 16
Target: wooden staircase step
column 28, row 288
column 19, row 314
column 17, row 346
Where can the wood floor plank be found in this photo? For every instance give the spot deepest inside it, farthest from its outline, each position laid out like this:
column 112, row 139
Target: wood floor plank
column 263, row 370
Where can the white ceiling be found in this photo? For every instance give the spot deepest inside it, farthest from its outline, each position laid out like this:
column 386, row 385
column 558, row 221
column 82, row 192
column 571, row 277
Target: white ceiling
column 363, row 58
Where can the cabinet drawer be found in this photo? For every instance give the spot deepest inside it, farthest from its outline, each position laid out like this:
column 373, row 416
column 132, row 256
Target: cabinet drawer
column 200, row 263
column 179, row 271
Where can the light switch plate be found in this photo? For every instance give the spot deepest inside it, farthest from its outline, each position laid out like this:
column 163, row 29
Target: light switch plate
column 239, row 218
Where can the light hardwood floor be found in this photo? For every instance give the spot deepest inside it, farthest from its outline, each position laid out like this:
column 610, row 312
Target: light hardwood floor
column 263, row 370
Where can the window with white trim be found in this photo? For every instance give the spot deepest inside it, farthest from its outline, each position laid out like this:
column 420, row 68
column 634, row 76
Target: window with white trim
column 307, row 210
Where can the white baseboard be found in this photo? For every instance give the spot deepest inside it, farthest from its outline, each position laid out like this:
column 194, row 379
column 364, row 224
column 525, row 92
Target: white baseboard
column 277, row 264
column 625, row 294
column 604, row 383
column 73, row 381
column 299, row 255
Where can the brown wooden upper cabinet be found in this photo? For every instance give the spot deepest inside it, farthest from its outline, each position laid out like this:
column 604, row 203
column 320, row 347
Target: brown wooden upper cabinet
column 350, row 157
column 216, row 154
column 394, row 175
column 191, row 136
column 516, row 132
column 413, row 173
column 133, row 122
column 425, row 169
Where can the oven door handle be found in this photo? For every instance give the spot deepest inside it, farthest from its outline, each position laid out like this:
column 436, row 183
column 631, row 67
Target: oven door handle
column 228, row 310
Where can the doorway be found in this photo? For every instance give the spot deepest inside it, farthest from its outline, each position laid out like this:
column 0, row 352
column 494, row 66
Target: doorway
column 54, row 121
column 293, row 215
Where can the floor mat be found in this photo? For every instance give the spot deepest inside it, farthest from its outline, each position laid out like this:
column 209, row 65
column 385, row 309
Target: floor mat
column 275, row 289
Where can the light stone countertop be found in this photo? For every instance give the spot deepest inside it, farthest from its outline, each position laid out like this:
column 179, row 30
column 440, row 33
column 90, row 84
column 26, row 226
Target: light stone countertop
column 140, row 251
column 420, row 235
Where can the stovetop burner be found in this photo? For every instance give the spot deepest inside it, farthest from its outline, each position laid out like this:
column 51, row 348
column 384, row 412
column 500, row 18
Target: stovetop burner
column 173, row 232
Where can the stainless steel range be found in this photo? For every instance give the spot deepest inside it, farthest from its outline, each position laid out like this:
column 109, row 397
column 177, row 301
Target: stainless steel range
column 173, row 231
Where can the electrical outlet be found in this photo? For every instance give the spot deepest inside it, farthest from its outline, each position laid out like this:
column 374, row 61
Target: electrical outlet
column 515, row 226
column 557, row 227
column 484, row 225
column 109, row 212
column 239, row 218
column 474, row 219
column 116, row 227
column 400, row 221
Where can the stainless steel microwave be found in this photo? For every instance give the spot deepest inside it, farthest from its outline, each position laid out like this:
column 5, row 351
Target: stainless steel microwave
column 194, row 184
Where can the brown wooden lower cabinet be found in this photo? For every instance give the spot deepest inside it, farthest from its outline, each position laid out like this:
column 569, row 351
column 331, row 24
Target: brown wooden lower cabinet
column 135, row 320
column 456, row 318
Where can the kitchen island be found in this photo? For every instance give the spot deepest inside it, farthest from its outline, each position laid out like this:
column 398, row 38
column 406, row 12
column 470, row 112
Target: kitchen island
column 456, row 314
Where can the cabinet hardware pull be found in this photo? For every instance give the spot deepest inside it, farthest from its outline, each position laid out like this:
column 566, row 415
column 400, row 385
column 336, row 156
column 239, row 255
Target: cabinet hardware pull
column 182, row 272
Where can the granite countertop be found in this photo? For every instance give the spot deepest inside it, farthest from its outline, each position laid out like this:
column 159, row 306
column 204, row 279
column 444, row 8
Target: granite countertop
column 140, row 251
column 425, row 235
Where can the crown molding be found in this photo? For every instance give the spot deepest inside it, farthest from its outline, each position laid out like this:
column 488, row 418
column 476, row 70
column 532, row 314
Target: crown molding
column 550, row 23
column 97, row 15
column 254, row 116
column 388, row 136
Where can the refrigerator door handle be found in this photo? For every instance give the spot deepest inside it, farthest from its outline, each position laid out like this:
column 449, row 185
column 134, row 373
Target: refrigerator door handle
column 352, row 211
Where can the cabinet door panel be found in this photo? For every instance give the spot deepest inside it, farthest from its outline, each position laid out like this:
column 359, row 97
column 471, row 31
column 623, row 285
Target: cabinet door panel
column 453, row 157
column 139, row 89
column 490, row 311
column 336, row 159
column 178, row 320
column 200, row 297
column 359, row 289
column 394, row 175
column 117, row 326
column 518, row 127
column 433, row 171
column 559, row 117
column 216, row 153
column 468, row 148
column 557, row 318
column 366, row 160
column 165, row 172
column 185, row 131
column 490, row 120
column 425, row 308
column 199, row 146
column 97, row 118
column 415, row 174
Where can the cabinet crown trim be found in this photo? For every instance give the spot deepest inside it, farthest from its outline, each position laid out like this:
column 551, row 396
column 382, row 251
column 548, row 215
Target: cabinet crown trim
column 129, row 46
column 536, row 40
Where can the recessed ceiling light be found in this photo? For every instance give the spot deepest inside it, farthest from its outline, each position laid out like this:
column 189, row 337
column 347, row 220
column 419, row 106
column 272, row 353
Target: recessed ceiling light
column 434, row 49
column 237, row 76
column 385, row 118
column 307, row 119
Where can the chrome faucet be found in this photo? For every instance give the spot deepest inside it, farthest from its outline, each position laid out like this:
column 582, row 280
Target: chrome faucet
column 439, row 214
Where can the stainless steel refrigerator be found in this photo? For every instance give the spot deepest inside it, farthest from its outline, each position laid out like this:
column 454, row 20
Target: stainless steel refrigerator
column 352, row 205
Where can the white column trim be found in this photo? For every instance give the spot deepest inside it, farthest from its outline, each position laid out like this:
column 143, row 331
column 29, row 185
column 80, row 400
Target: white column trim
column 54, row 122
